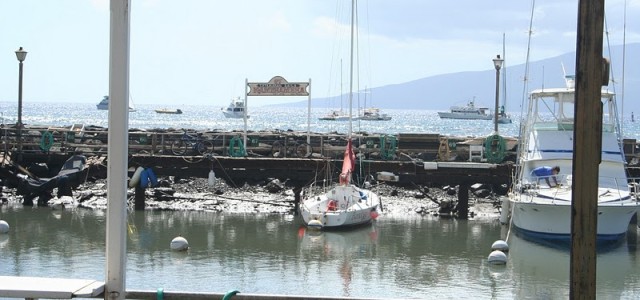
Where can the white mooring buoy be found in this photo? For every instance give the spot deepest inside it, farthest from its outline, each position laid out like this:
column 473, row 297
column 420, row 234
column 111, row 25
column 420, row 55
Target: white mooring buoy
column 497, row 257
column 500, row 245
column 4, row 226
column 179, row 244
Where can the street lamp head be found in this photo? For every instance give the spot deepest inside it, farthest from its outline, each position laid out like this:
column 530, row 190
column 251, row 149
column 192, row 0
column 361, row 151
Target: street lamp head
column 21, row 54
column 497, row 62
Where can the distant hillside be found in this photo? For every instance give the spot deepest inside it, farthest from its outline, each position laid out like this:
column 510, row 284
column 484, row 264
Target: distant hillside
column 441, row 91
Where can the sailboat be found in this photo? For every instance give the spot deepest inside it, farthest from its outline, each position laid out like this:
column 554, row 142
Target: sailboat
column 344, row 204
column 336, row 115
column 372, row 113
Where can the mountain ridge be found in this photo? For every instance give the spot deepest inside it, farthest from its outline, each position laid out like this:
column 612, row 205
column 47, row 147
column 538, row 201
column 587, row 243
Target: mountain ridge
column 439, row 92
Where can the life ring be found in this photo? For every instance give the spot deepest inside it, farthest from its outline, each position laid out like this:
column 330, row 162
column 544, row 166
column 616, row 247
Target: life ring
column 233, row 151
column 495, row 148
column 46, row 141
column 388, row 145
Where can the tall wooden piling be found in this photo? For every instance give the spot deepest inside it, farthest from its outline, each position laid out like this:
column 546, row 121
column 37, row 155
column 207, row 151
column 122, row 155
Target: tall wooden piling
column 463, row 200
column 139, row 198
column 587, row 147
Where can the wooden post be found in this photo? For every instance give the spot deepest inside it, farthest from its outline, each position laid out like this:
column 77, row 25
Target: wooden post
column 139, row 198
column 463, row 201
column 587, row 149
column 154, row 143
column 296, row 200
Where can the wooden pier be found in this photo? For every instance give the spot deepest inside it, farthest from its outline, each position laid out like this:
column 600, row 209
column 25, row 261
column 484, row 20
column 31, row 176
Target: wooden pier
column 295, row 156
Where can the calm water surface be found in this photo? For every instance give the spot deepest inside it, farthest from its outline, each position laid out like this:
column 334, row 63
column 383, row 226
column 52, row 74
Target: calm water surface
column 396, row 257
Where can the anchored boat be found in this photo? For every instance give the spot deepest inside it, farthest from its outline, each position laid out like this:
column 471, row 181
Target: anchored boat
column 542, row 210
column 345, row 204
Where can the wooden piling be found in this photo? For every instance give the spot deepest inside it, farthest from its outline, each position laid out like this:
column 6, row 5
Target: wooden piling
column 463, row 200
column 139, row 198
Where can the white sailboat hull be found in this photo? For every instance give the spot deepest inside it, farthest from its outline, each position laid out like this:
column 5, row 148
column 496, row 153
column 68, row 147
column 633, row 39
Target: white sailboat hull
column 353, row 206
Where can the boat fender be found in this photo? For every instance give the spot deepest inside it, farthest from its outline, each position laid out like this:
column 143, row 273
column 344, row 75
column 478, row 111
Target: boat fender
column 212, row 178
column 315, row 224
column 230, row 294
column 46, row 141
column 160, row 294
column 153, row 179
column 144, row 179
column 135, row 178
column 504, row 210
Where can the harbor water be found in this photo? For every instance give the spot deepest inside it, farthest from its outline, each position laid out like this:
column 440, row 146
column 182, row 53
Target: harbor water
column 408, row 256
column 412, row 256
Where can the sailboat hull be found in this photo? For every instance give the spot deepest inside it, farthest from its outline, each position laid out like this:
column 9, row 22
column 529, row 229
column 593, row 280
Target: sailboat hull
column 341, row 206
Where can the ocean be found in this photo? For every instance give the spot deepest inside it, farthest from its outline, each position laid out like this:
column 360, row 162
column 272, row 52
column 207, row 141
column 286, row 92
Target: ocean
column 209, row 117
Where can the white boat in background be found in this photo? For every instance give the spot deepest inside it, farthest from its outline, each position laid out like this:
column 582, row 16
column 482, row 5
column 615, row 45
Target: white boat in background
column 344, row 205
column 235, row 110
column 335, row 115
column 544, row 212
column 467, row 112
column 104, row 104
column 373, row 114
column 169, row 111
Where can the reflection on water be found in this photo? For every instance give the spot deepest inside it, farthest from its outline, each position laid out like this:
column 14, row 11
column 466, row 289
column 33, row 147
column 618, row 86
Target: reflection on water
column 413, row 257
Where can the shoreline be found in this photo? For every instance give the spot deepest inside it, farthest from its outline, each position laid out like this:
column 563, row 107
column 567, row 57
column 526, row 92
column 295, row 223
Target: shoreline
column 274, row 197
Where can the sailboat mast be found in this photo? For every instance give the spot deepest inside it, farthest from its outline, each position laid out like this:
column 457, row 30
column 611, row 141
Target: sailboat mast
column 353, row 11
column 504, row 76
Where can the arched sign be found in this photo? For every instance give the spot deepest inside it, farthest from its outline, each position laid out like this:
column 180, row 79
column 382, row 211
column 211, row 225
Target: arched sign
column 278, row 86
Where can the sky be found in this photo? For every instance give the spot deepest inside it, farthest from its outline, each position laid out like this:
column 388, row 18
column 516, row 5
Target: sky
column 201, row 52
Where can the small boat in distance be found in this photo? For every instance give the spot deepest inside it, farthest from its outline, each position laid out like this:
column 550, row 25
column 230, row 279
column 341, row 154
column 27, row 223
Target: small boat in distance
column 467, row 112
column 169, row 111
column 335, row 115
column 104, row 104
column 373, row 114
column 235, row 110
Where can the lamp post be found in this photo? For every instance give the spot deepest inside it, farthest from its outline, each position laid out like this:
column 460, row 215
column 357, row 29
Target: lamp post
column 21, row 55
column 497, row 62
